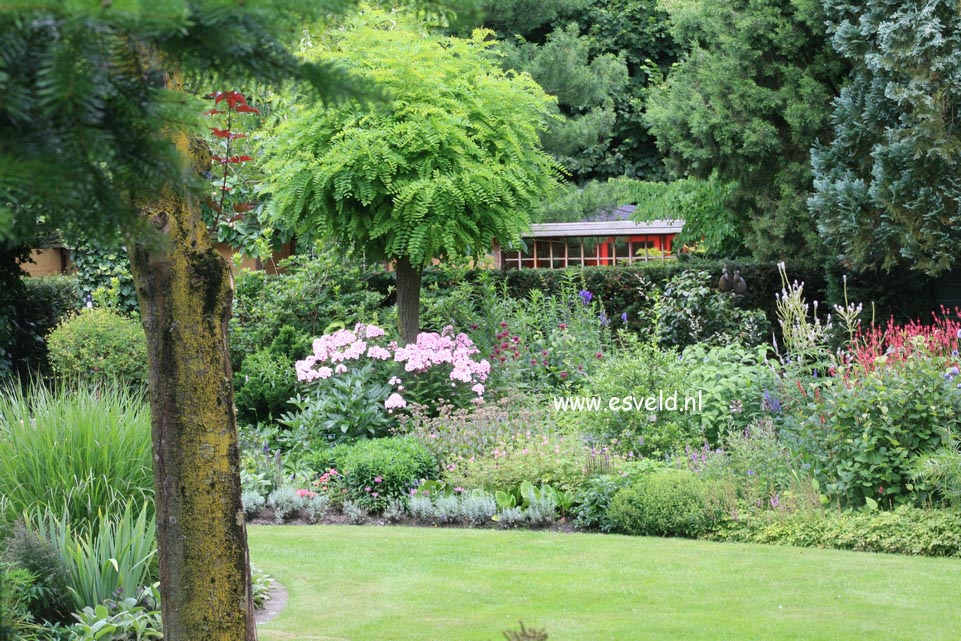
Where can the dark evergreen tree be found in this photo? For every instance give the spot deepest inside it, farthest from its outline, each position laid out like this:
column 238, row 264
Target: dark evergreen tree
column 887, row 187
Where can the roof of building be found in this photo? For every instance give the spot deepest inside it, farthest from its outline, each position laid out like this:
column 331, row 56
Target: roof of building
column 614, row 227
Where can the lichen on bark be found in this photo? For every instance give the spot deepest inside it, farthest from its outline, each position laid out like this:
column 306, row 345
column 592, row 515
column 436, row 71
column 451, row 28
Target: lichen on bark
column 185, row 293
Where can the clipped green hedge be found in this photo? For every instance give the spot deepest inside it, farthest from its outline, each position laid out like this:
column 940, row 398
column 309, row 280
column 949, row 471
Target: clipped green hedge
column 905, row 530
column 99, row 345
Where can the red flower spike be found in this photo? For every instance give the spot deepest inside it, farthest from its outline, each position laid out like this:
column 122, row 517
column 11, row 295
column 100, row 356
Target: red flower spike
column 243, row 158
column 247, row 109
column 213, row 112
column 244, row 207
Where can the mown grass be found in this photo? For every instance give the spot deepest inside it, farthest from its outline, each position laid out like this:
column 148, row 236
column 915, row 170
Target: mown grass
column 404, row 584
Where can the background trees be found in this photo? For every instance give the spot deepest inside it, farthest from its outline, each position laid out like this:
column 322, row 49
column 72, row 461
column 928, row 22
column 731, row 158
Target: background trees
column 745, row 104
column 448, row 163
column 886, row 186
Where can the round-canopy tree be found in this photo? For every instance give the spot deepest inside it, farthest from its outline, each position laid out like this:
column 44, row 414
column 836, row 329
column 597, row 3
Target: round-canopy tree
column 448, row 162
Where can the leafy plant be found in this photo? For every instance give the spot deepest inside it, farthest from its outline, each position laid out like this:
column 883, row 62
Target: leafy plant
column 128, row 619
column 111, row 558
column 376, row 471
column 665, row 503
column 99, row 345
column 862, row 436
column 80, row 452
column 48, row 598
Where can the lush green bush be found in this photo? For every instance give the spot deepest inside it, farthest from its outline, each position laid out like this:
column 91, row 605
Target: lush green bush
column 862, row 434
column 592, row 501
column 111, row 557
column 48, row 301
column 78, row 451
column 99, row 345
column 562, row 462
column 941, row 471
column 345, row 408
column 688, row 310
column 454, row 435
column 905, row 530
column 267, row 379
column 729, row 383
column 635, row 373
column 49, row 598
column 375, row 471
column 317, row 291
column 665, row 503
column 103, row 273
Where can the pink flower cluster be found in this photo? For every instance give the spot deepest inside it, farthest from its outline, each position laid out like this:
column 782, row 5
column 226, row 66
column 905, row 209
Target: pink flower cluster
column 431, row 349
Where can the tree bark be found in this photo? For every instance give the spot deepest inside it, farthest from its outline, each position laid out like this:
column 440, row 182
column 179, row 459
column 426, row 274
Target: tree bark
column 185, row 292
column 408, row 300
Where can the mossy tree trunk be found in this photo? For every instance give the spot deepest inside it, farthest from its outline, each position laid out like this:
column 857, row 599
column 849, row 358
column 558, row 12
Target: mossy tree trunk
column 185, row 292
column 408, row 300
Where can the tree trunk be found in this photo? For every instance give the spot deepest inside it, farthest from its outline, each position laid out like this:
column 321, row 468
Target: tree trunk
column 185, row 292
column 408, row 300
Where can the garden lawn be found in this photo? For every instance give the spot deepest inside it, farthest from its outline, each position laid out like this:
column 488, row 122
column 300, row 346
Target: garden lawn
column 399, row 584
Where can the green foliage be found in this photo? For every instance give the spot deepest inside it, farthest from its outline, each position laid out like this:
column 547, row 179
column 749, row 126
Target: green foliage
column 267, row 379
column 17, row 586
column 862, row 436
column 103, row 273
column 77, row 100
column 885, row 193
column 341, row 409
column 78, row 452
column 451, row 162
column 46, row 303
column 592, row 500
column 637, row 372
column 729, row 383
column 745, row 104
column 542, row 459
column 905, row 530
column 664, row 503
column 11, row 299
column 49, row 598
column 584, row 82
column 316, row 290
column 112, row 557
column 98, row 345
column 941, row 470
column 122, row 619
column 688, row 311
column 376, row 471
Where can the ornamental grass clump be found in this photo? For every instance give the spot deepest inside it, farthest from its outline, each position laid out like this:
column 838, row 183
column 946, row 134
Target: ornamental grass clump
column 80, row 452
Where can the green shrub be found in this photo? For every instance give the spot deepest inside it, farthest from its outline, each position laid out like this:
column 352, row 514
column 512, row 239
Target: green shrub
column 345, row 408
column 905, row 530
column 665, row 503
column 17, row 586
column 267, row 379
column 941, row 470
column 689, row 311
column 74, row 450
column 99, row 345
column 318, row 290
column 374, row 472
column 48, row 301
column 112, row 558
column 542, row 459
column 592, row 501
column 862, row 435
column 49, row 597
column 103, row 273
column 637, row 372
